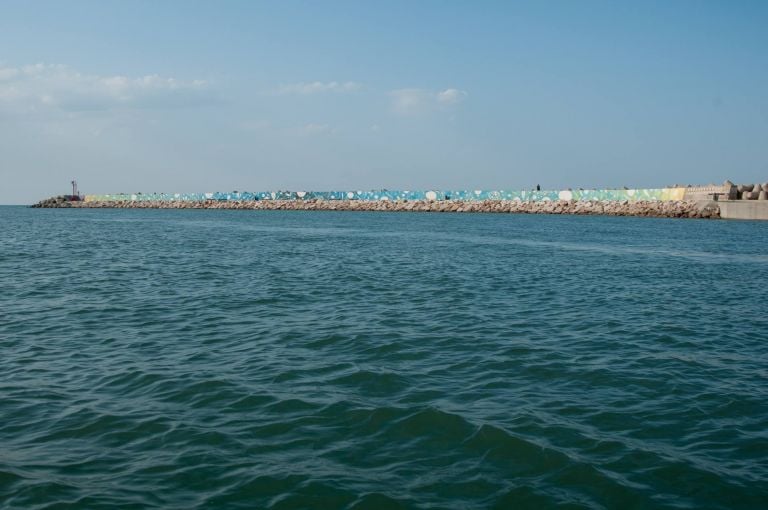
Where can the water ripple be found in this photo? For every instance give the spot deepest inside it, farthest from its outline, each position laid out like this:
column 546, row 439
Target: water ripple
column 198, row 359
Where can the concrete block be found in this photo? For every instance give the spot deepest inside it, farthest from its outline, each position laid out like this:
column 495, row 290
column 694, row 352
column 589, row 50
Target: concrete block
column 744, row 210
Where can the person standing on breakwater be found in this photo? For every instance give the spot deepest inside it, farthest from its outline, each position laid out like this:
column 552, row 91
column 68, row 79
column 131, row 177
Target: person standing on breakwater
column 538, row 188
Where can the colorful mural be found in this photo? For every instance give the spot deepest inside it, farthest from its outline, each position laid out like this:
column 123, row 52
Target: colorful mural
column 461, row 195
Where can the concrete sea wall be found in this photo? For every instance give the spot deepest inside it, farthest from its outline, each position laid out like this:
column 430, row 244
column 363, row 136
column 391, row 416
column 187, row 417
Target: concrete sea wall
column 743, row 209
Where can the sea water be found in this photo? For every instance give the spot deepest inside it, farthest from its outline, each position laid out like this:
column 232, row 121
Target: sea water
column 286, row 359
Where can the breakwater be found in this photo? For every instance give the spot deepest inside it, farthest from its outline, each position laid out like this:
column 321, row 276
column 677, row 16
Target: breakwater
column 652, row 208
column 728, row 201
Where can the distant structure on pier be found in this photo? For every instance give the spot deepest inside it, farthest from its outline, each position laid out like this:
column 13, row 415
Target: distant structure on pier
column 75, row 192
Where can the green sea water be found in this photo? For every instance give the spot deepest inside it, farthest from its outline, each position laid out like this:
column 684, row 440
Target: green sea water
column 287, row 359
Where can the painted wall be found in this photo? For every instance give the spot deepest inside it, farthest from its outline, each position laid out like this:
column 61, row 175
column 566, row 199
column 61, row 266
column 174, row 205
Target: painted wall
column 464, row 195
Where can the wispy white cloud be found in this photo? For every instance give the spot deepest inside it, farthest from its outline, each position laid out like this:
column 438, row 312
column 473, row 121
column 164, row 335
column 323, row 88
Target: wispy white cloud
column 451, row 96
column 317, row 87
column 312, row 129
column 256, row 125
column 44, row 86
column 415, row 101
column 309, row 129
column 409, row 101
column 8, row 73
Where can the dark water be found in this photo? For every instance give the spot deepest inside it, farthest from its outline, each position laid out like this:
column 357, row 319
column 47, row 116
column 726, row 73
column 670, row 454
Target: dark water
column 222, row 359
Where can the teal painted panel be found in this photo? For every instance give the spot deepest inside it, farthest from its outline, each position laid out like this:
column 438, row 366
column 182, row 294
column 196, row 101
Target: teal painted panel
column 395, row 195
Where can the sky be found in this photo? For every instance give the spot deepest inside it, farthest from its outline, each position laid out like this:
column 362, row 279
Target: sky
column 190, row 96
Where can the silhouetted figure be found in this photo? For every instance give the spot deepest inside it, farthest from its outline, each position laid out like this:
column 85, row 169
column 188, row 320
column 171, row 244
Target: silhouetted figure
column 538, row 188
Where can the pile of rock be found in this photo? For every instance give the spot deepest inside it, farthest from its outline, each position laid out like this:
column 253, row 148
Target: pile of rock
column 59, row 201
column 662, row 209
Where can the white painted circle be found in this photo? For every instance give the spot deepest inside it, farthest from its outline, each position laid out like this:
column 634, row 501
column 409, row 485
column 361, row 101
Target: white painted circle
column 431, row 195
column 565, row 195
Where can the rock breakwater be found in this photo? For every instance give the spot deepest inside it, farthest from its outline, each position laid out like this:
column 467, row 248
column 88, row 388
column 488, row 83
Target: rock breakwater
column 662, row 209
column 58, row 201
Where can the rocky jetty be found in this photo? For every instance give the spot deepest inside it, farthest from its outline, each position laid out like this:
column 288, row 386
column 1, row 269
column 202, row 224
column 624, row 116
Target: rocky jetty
column 58, row 201
column 661, row 209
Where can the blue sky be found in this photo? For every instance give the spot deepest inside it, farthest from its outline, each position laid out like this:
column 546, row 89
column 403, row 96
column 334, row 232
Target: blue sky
column 203, row 96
